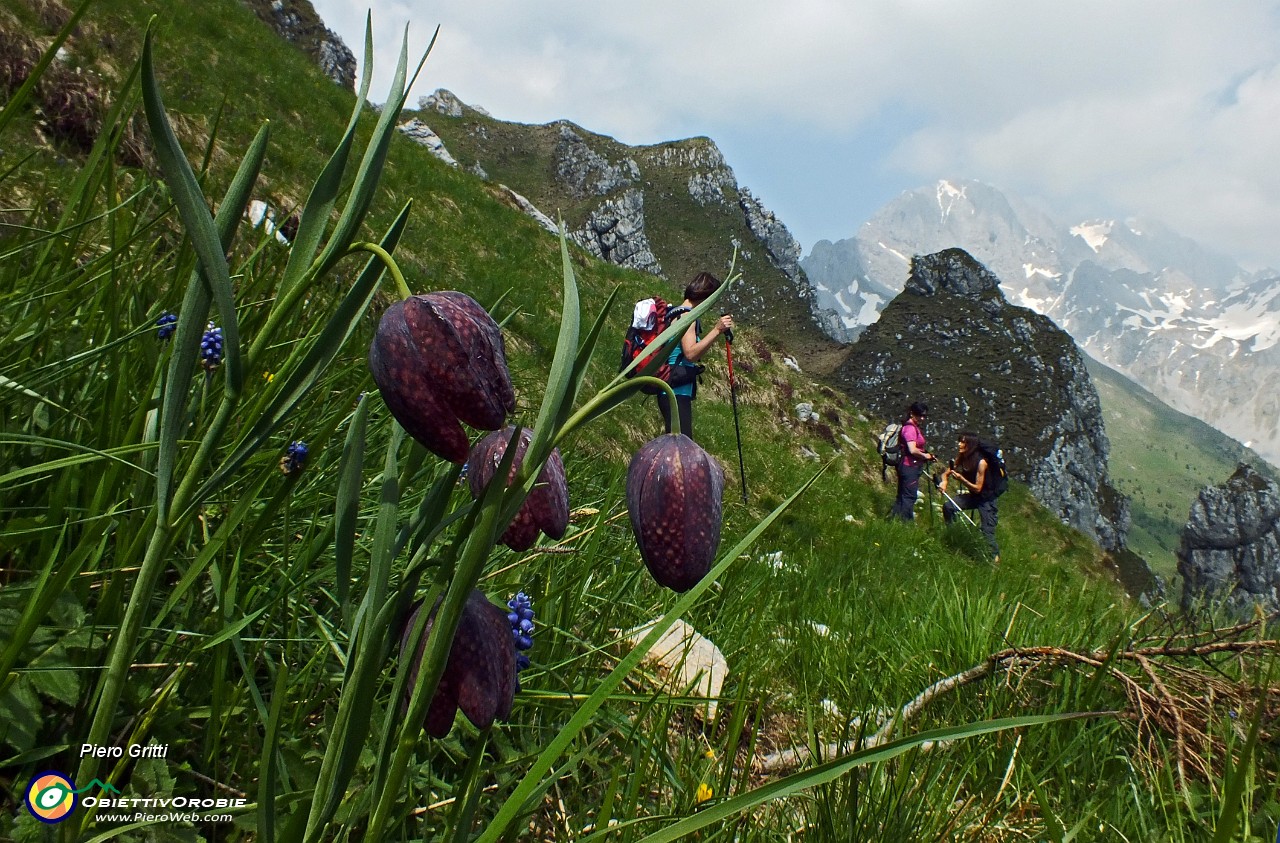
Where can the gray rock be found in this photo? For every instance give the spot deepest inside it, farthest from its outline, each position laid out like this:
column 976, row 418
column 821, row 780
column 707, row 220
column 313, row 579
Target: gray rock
column 421, row 133
column 982, row 364
column 1230, row 546
column 586, row 172
column 296, row 21
column 615, row 232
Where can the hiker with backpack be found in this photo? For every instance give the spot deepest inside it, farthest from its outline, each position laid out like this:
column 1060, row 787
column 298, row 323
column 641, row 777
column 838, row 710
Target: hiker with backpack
column 693, row 344
column 910, row 461
column 979, row 468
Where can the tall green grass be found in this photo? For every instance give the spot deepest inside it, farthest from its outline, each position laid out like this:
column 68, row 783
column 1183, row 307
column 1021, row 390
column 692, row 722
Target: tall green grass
column 165, row 582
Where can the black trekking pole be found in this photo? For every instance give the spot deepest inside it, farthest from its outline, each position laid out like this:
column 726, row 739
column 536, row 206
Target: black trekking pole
column 933, row 484
column 733, row 399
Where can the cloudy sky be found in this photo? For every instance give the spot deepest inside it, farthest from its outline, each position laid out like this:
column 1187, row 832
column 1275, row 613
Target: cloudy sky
column 826, row 110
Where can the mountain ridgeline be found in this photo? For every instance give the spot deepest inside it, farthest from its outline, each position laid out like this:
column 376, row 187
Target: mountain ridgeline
column 671, row 209
column 1183, row 321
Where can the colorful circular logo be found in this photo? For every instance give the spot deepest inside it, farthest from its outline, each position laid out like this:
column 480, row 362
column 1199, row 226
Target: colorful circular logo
column 51, row 797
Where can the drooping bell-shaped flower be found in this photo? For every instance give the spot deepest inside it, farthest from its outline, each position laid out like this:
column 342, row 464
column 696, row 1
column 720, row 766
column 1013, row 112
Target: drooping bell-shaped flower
column 547, row 506
column 480, row 675
column 439, row 359
column 674, row 495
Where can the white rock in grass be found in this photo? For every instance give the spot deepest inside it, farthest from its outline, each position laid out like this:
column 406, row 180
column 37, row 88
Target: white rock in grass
column 691, row 664
column 820, row 628
column 790, row 363
column 830, row 709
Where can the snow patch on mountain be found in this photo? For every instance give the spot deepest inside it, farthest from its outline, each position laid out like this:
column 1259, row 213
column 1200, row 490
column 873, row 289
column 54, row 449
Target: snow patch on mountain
column 948, row 195
column 1095, row 234
column 1186, row 322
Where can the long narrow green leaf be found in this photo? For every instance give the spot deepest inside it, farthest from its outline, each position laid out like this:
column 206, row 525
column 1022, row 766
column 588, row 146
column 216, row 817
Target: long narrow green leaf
column 347, row 501
column 327, row 186
column 267, row 761
column 194, row 210
column 370, row 171
column 585, row 353
column 90, row 455
column 560, row 378
column 832, row 770
column 542, row 765
column 320, row 355
column 233, row 630
column 368, row 636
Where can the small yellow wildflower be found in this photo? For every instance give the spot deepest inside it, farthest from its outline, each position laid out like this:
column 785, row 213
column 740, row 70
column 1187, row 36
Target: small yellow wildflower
column 268, row 377
column 710, row 753
column 704, row 793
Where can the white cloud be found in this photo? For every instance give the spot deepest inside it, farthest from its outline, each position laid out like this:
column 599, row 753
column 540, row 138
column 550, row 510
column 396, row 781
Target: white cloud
column 1165, row 108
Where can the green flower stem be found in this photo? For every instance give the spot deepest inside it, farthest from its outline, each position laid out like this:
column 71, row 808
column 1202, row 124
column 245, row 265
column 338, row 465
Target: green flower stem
column 610, row 396
column 122, row 648
column 467, row 573
column 208, row 444
column 387, row 261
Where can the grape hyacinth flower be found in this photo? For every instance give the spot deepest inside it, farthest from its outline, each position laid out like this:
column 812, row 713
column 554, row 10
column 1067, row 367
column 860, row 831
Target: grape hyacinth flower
column 294, row 459
column 674, row 495
column 480, row 675
column 521, row 619
column 438, row 360
column 547, row 506
column 211, row 347
column 166, row 325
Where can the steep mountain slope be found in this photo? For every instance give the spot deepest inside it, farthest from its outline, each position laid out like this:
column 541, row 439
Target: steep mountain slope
column 1184, row 322
column 980, row 363
column 671, row 209
column 1160, row 459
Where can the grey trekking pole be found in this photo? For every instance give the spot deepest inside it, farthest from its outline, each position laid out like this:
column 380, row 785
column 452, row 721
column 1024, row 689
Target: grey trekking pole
column 733, row 399
column 961, row 512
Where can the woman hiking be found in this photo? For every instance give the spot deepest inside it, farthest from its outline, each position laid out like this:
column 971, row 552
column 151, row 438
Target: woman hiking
column 910, row 466
column 970, row 469
column 692, row 346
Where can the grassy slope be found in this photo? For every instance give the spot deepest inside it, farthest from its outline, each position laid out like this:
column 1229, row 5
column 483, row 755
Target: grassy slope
column 1161, row 459
column 903, row 605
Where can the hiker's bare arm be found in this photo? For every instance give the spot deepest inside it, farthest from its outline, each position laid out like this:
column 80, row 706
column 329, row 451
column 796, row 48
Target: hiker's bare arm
column 976, row 485
column 693, row 348
column 916, row 451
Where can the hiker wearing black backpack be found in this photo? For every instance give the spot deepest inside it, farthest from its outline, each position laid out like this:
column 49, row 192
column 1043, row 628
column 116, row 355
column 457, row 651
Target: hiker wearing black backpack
column 911, row 460
column 980, row 470
column 691, row 348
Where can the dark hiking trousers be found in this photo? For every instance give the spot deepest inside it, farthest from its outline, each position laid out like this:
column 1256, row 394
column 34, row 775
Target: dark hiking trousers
column 904, row 506
column 987, row 515
column 684, row 406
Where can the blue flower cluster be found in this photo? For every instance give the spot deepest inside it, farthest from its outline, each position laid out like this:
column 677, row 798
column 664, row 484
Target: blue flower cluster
column 211, row 347
column 166, row 325
column 295, row 458
column 521, row 618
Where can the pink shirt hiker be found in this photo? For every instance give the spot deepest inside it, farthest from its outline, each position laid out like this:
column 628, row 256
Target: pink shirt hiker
column 911, row 433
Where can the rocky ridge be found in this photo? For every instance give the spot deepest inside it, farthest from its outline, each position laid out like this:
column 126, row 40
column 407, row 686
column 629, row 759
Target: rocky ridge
column 1230, row 548
column 951, row 339
column 670, row 209
column 296, row 21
